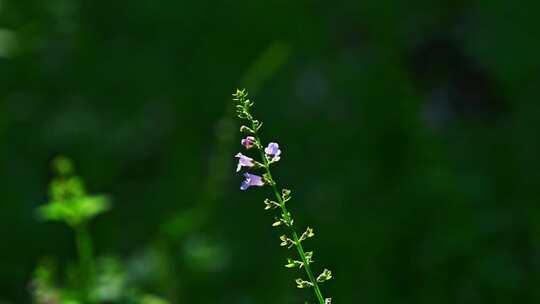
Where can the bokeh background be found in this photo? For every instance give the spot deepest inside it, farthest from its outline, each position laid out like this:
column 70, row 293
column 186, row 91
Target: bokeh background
column 410, row 133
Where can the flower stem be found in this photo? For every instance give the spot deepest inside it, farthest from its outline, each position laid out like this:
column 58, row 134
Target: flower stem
column 287, row 216
column 84, row 251
column 299, row 248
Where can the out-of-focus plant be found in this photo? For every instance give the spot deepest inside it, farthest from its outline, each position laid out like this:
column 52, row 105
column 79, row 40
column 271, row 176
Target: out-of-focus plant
column 70, row 203
column 270, row 155
column 102, row 280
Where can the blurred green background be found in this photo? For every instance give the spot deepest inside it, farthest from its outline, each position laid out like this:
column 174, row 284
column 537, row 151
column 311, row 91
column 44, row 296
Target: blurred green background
column 409, row 130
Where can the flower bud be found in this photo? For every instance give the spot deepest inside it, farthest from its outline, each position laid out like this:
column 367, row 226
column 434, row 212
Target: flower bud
column 324, row 276
column 303, row 284
column 245, row 129
column 248, row 142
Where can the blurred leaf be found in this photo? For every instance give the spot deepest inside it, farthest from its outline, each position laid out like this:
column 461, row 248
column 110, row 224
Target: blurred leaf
column 75, row 211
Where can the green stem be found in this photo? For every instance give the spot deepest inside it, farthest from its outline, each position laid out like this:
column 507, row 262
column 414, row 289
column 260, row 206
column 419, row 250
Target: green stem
column 286, row 214
column 84, row 251
column 300, row 249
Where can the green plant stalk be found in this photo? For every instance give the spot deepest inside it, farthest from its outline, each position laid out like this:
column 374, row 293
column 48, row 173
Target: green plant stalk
column 286, row 214
column 84, row 252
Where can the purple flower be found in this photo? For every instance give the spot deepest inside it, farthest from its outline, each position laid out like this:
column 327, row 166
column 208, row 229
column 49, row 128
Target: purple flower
column 251, row 180
column 248, row 142
column 273, row 152
column 244, row 161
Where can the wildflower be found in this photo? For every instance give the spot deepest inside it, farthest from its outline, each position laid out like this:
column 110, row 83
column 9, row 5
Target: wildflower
column 270, row 155
column 248, row 142
column 244, row 161
column 251, row 180
column 273, row 152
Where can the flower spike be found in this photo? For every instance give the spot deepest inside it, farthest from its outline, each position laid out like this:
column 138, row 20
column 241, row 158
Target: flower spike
column 268, row 156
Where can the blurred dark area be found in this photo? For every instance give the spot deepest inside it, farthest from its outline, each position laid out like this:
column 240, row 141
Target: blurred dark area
column 409, row 129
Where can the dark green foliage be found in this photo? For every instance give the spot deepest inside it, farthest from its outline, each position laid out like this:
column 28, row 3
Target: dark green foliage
column 411, row 131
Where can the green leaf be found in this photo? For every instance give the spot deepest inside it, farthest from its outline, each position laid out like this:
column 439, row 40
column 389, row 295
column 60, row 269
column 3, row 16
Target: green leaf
column 75, row 211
